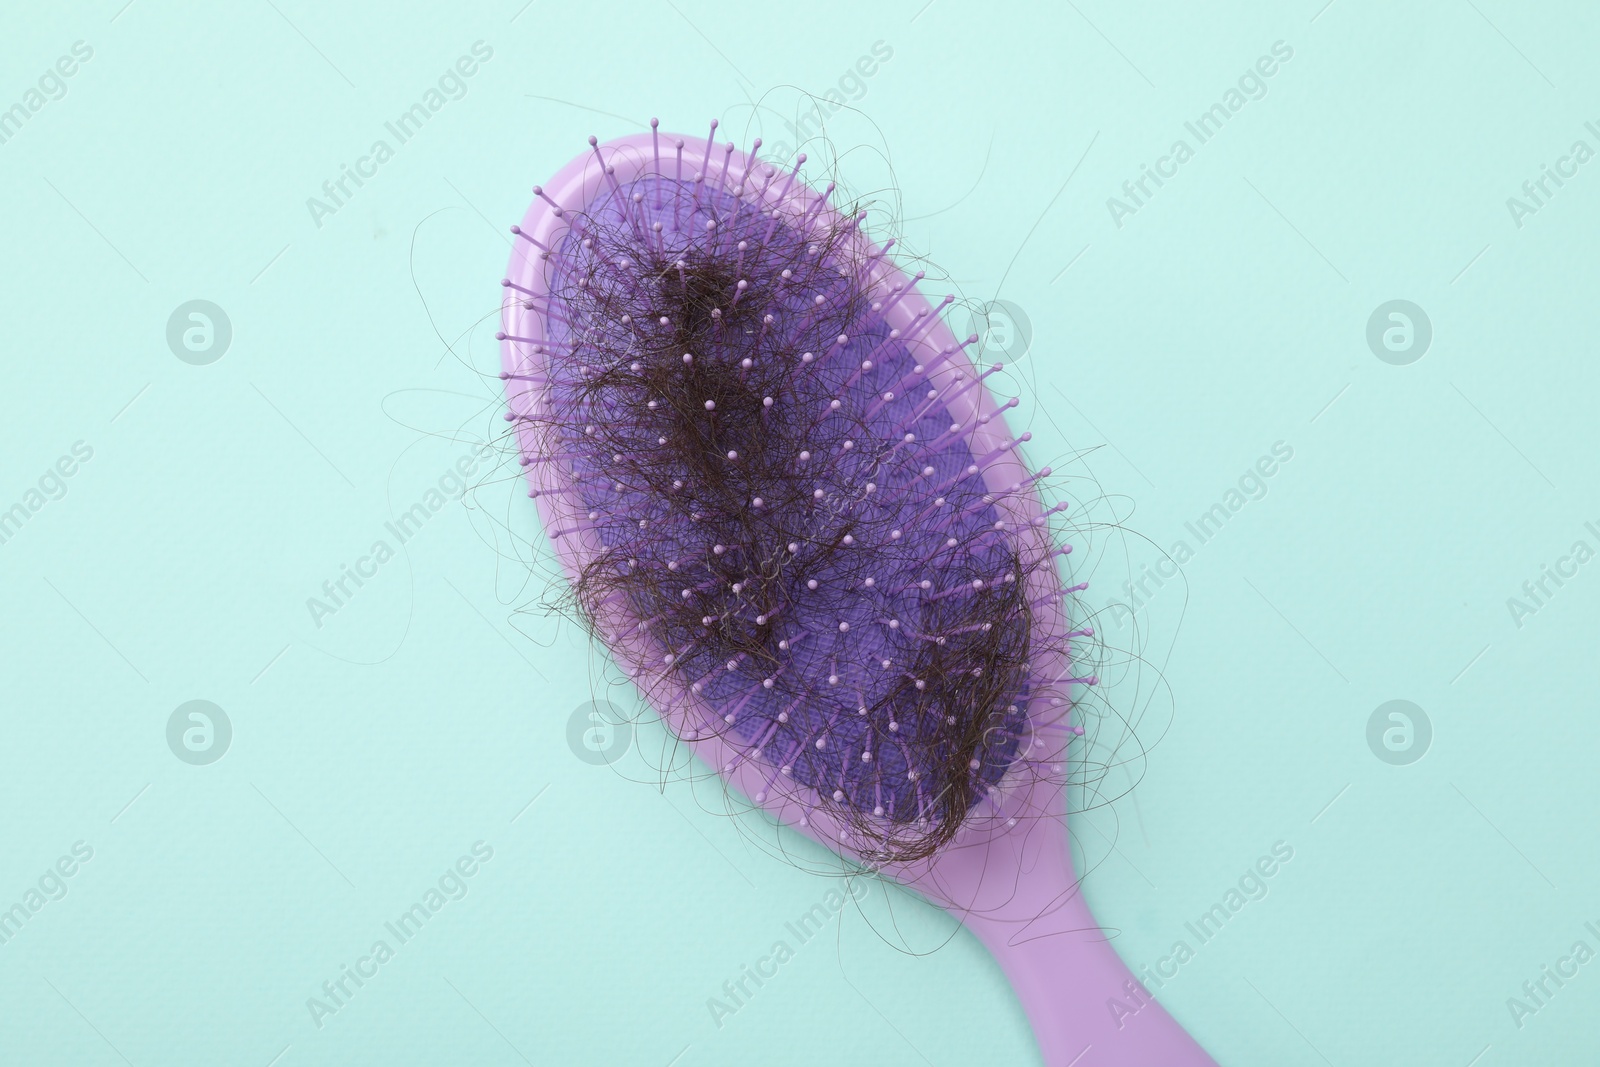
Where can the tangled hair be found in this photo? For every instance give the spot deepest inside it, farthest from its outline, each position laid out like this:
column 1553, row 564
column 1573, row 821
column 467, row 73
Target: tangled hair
column 779, row 502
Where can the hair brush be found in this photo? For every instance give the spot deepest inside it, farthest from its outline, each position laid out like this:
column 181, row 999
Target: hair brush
column 788, row 505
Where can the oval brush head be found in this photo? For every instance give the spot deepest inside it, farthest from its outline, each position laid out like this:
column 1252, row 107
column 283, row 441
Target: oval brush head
column 789, row 505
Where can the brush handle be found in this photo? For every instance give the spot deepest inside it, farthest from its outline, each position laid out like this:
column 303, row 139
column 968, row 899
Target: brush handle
column 1085, row 1006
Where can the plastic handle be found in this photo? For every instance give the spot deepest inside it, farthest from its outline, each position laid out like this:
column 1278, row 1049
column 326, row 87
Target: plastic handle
column 1085, row 1006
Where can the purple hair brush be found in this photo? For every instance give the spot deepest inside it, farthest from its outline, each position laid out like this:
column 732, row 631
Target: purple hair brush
column 788, row 505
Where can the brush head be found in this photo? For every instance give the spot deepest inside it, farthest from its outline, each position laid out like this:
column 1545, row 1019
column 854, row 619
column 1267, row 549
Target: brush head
column 785, row 498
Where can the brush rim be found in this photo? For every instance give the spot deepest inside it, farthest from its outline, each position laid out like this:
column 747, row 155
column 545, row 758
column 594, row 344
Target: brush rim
column 1017, row 795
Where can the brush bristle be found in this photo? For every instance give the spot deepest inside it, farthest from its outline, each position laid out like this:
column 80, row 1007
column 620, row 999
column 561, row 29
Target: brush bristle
column 780, row 498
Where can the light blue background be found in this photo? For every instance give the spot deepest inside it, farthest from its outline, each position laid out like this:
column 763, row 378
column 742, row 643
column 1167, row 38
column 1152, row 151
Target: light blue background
column 368, row 754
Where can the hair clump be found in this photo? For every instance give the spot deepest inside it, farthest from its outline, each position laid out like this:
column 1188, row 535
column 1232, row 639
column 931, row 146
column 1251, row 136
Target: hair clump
column 785, row 506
